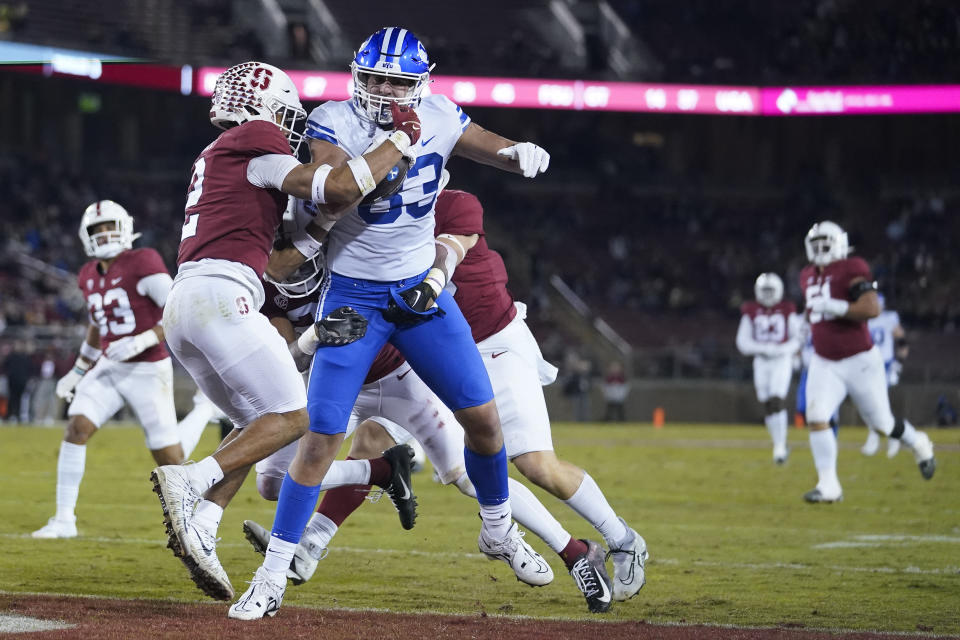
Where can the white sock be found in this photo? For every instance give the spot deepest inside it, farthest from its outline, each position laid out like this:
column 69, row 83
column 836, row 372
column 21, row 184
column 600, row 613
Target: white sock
column 777, row 427
column 346, row 472
column 873, row 438
column 909, row 436
column 496, row 519
column 590, row 503
column 208, row 515
column 204, row 474
column 192, row 426
column 823, row 445
column 278, row 557
column 320, row 530
column 534, row 517
column 70, row 466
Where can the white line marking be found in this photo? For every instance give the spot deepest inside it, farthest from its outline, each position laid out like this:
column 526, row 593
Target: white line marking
column 884, row 541
column 12, row 623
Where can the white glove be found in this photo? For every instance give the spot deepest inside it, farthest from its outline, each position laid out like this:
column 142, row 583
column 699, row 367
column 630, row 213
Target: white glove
column 829, row 306
column 531, row 158
column 126, row 348
column 67, row 383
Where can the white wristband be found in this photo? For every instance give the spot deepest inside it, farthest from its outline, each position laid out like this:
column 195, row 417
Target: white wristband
column 81, row 365
column 401, row 141
column 89, row 352
column 308, row 341
column 319, row 182
column 436, row 280
column 306, row 243
column 361, row 173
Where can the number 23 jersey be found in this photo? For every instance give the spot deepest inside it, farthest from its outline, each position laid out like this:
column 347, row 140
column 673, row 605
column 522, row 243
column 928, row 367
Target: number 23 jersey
column 115, row 304
column 392, row 238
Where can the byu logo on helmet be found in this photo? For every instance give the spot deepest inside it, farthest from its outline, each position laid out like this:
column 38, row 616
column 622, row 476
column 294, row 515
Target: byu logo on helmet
column 391, row 56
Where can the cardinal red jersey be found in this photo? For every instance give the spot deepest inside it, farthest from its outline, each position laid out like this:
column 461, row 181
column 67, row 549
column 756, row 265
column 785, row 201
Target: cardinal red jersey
column 481, row 279
column 114, row 303
column 226, row 216
column 836, row 338
column 770, row 324
column 301, row 312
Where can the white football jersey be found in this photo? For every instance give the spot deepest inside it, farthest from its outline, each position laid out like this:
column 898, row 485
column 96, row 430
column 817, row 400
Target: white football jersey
column 881, row 330
column 391, row 239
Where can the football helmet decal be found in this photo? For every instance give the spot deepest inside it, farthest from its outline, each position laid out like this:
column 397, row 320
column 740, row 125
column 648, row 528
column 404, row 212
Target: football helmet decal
column 768, row 289
column 826, row 242
column 258, row 91
column 111, row 242
column 392, row 54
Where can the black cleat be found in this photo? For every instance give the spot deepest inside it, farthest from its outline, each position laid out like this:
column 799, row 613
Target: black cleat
column 400, row 489
column 590, row 574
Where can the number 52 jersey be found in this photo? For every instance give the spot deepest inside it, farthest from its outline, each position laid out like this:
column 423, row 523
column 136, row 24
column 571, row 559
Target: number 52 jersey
column 392, row 238
column 115, row 302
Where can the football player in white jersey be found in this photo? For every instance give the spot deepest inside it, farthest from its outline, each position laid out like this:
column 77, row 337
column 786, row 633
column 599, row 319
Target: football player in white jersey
column 891, row 339
column 383, row 263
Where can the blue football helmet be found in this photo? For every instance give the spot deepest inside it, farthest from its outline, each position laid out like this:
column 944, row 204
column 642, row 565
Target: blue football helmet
column 398, row 55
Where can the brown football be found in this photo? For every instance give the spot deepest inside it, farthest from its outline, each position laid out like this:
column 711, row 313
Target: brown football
column 390, row 183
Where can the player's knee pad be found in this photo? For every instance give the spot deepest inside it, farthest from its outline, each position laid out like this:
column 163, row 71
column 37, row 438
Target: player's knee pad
column 269, row 487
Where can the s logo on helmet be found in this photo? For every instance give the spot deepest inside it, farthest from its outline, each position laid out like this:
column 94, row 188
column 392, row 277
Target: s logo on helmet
column 261, row 78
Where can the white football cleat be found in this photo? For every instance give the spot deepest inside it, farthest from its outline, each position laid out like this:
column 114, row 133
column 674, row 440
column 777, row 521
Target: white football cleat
column 305, row 559
column 528, row 565
column 195, row 546
column 262, row 598
column 780, row 455
column 56, row 529
column 870, row 447
column 629, row 563
column 923, row 454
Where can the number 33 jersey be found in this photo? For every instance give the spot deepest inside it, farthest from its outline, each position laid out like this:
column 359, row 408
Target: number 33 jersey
column 835, row 338
column 392, row 238
column 117, row 306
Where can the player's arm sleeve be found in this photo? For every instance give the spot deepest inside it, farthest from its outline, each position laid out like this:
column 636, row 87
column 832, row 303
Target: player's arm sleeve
column 745, row 342
column 269, row 171
column 155, row 286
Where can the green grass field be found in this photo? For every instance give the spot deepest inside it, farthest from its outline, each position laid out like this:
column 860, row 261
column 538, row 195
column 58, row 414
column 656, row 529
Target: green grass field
column 731, row 541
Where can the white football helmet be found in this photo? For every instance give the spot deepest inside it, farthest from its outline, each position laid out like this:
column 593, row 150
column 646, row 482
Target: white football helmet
column 258, row 91
column 112, row 242
column 309, row 276
column 826, row 242
column 768, row 289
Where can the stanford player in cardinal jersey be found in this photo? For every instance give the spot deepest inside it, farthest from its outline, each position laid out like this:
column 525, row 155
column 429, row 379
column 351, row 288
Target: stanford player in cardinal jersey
column 235, row 201
column 840, row 297
column 767, row 333
column 125, row 290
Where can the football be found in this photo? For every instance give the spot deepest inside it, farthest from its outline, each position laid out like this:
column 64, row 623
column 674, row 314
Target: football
column 390, row 183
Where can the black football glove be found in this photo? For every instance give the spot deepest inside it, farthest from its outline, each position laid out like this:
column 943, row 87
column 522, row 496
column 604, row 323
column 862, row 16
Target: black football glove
column 342, row 326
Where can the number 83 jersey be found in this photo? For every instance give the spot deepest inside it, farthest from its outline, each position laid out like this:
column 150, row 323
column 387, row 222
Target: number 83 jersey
column 392, row 238
column 118, row 304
